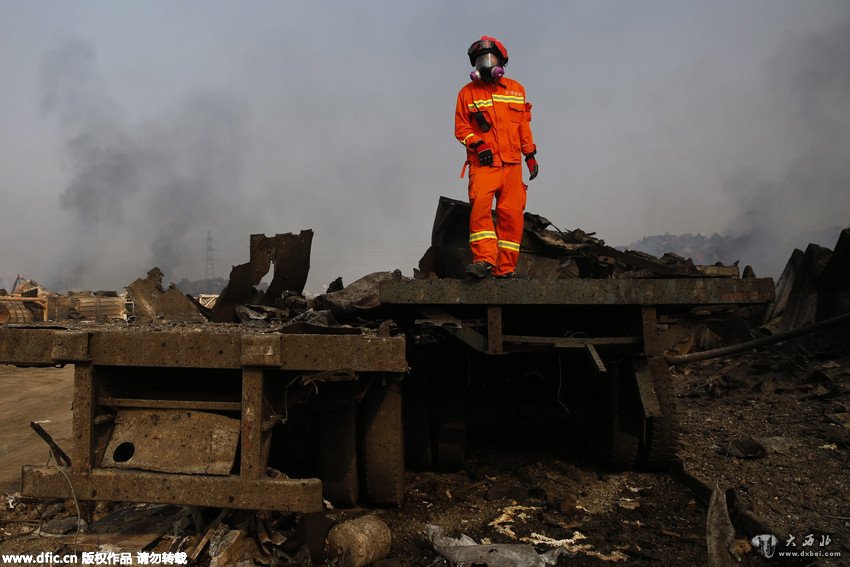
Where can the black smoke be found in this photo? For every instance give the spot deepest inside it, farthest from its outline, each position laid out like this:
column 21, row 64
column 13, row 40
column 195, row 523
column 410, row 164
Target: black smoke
column 140, row 192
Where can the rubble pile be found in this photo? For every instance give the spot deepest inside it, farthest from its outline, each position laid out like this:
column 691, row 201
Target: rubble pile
column 814, row 286
column 550, row 253
column 703, row 250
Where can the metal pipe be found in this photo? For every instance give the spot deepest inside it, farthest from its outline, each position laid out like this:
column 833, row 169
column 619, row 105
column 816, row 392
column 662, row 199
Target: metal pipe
column 764, row 341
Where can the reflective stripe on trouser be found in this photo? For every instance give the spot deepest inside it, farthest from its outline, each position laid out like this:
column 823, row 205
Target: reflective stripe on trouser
column 497, row 245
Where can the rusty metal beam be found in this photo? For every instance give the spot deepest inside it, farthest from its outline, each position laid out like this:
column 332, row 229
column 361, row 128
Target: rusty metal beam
column 166, row 349
column 656, row 291
column 82, row 418
column 26, row 346
column 598, row 365
column 494, row 330
column 284, row 495
column 357, row 352
column 649, row 326
column 251, row 464
column 193, row 405
column 362, row 353
column 572, row 342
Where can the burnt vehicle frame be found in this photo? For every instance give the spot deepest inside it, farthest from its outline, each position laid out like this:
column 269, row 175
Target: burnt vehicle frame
column 246, row 375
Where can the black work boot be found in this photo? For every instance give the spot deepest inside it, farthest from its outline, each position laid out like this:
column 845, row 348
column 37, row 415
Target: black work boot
column 509, row 276
column 478, row 270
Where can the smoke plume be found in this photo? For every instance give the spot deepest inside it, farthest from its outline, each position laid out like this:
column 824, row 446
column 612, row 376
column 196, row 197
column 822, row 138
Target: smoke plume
column 141, row 193
column 811, row 193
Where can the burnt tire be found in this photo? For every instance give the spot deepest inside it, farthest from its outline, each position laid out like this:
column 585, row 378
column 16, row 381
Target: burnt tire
column 661, row 447
column 382, row 447
column 337, row 454
column 615, row 448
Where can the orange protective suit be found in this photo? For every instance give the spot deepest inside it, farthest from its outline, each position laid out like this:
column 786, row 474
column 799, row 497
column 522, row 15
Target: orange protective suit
column 509, row 137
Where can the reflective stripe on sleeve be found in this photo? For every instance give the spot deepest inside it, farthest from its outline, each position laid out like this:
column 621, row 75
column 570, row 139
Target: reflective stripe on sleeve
column 468, row 136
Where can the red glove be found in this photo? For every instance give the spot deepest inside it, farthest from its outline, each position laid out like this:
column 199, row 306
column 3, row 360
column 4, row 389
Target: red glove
column 533, row 168
column 485, row 154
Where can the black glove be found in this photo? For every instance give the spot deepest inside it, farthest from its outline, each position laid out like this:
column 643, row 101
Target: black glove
column 485, row 154
column 533, row 168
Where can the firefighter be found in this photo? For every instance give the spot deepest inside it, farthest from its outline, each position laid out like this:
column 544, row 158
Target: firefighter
column 492, row 119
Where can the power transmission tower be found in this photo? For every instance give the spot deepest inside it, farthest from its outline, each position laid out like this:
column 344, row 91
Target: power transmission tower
column 209, row 270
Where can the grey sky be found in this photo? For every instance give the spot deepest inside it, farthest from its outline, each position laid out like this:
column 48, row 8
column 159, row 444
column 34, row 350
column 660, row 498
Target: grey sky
column 131, row 129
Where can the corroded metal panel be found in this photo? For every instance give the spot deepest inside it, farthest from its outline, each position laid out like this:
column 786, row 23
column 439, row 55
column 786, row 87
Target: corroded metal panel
column 360, row 353
column 284, row 495
column 657, row 291
column 173, row 441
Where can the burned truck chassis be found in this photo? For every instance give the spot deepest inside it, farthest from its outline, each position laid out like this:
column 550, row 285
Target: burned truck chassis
column 605, row 328
column 616, row 387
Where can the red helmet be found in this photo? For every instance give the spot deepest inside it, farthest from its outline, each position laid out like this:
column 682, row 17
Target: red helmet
column 487, row 44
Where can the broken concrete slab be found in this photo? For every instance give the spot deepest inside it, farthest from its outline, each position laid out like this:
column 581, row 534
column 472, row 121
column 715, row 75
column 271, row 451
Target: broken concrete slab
column 151, row 302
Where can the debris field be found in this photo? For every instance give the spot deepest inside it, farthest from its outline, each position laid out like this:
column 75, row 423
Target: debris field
column 611, row 406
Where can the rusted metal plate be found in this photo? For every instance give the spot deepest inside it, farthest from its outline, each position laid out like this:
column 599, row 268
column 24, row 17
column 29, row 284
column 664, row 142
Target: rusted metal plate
column 360, row 353
column 173, row 441
column 188, row 350
column 646, row 389
column 151, row 302
column 284, row 495
column 672, row 291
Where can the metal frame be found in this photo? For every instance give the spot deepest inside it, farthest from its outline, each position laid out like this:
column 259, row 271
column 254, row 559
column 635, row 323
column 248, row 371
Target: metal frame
column 251, row 353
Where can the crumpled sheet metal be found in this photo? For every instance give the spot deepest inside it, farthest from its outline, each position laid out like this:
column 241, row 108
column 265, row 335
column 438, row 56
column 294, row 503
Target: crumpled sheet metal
column 464, row 551
column 357, row 297
column 152, row 302
column 290, row 254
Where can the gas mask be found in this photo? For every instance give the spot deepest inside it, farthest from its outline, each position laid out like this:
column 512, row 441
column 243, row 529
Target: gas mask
column 488, row 68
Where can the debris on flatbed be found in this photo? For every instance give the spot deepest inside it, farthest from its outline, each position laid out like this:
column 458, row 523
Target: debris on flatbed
column 551, row 253
column 151, row 302
column 290, row 254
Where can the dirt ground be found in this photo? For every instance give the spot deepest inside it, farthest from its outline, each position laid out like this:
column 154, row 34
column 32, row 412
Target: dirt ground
column 31, row 394
column 769, row 428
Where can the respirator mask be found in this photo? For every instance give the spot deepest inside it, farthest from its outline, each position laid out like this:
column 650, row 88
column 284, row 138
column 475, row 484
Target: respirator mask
column 488, row 68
